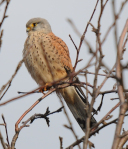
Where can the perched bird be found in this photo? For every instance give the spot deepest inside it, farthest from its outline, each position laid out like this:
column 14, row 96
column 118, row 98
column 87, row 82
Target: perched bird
column 47, row 59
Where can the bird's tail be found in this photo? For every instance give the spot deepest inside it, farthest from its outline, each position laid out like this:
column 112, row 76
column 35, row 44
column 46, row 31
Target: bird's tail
column 76, row 106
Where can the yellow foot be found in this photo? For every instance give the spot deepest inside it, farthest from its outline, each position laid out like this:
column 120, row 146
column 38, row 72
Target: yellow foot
column 46, row 87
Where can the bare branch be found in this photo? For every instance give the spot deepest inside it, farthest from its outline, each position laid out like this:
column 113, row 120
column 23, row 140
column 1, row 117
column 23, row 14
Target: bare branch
column 82, row 37
column 61, row 142
column 31, row 119
column 113, row 24
column 71, row 127
column 2, row 141
column 122, row 142
column 27, row 111
column 10, row 81
column 5, row 124
column 123, row 107
column 4, row 16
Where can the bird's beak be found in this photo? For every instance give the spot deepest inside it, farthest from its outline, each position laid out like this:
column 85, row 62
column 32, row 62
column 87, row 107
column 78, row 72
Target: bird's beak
column 28, row 29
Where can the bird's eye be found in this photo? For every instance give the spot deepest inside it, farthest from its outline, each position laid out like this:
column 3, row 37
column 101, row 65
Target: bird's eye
column 34, row 24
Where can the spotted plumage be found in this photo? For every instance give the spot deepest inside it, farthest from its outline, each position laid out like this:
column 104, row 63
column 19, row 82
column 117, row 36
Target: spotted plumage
column 47, row 59
column 46, row 56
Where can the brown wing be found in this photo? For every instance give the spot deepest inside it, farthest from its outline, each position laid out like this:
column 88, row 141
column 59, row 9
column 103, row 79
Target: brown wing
column 63, row 51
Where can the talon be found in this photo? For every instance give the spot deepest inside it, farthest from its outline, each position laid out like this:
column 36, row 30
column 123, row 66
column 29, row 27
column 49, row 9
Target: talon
column 41, row 91
column 46, row 87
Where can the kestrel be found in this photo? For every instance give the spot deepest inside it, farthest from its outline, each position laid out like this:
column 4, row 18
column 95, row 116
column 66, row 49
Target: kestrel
column 47, row 59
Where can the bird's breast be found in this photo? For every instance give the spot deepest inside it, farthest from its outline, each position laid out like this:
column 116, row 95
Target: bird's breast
column 42, row 60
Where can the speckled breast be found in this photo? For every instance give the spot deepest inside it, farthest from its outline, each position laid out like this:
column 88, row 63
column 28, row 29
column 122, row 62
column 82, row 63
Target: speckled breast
column 42, row 58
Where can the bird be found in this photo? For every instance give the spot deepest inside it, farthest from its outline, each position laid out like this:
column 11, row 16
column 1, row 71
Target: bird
column 47, row 59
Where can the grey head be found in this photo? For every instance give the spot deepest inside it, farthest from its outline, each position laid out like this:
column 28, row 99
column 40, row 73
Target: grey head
column 38, row 24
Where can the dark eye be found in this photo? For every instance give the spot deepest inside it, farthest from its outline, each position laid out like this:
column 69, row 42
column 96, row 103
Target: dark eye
column 34, row 24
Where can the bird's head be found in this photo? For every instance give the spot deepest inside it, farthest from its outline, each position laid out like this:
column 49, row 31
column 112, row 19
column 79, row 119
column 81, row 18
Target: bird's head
column 38, row 24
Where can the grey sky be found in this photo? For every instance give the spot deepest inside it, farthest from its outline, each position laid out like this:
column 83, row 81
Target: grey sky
column 39, row 135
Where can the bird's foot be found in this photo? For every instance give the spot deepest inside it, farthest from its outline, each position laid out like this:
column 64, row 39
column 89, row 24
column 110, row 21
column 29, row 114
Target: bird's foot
column 46, row 87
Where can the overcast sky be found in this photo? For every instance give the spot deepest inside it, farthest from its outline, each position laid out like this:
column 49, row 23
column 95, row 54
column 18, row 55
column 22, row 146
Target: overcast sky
column 39, row 135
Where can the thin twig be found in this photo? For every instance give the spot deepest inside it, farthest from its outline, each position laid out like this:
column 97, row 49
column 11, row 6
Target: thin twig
column 113, row 24
column 2, row 141
column 78, row 33
column 5, row 10
column 117, row 105
column 1, row 35
column 97, row 68
column 99, row 128
column 73, row 41
column 111, row 91
column 10, row 81
column 82, row 37
column 31, row 119
column 71, row 127
column 78, row 142
column 27, row 111
column 5, row 124
column 87, row 72
column 2, row 2
column 61, row 142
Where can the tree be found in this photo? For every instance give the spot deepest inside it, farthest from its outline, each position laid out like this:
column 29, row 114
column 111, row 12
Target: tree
column 94, row 66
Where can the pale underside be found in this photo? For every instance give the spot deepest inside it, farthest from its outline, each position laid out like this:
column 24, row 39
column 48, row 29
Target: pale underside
column 46, row 57
column 47, row 60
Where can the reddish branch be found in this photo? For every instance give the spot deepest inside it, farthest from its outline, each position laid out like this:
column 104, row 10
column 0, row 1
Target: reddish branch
column 113, row 24
column 119, row 140
column 31, row 119
column 5, row 10
column 82, row 37
column 97, row 68
column 10, row 81
column 5, row 124
column 99, row 128
column 26, row 112
column 124, row 105
column 2, row 141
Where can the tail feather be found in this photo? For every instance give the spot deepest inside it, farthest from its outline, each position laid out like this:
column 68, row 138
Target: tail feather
column 76, row 106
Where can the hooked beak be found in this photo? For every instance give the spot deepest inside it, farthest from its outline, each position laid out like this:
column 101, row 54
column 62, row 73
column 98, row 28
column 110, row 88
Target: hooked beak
column 28, row 29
